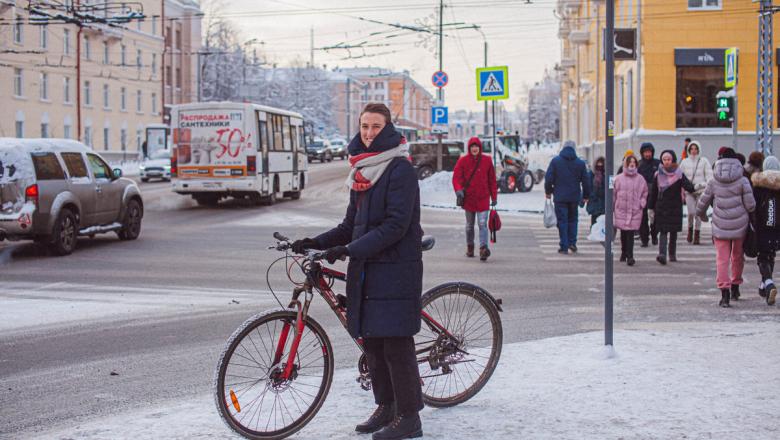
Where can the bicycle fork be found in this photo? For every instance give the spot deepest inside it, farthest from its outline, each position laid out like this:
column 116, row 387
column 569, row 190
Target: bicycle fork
column 298, row 326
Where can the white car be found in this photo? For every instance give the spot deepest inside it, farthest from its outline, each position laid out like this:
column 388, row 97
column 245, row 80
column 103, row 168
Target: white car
column 157, row 166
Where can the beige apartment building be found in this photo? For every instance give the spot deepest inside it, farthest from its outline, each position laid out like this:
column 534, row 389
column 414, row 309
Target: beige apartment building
column 98, row 83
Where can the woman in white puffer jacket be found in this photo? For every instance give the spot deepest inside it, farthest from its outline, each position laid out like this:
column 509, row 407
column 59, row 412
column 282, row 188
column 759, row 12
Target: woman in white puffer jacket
column 699, row 171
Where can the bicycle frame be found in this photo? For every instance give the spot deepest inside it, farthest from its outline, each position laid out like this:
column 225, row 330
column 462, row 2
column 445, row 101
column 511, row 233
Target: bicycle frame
column 319, row 276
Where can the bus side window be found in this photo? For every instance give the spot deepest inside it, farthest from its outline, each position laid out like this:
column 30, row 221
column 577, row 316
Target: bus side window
column 262, row 143
column 286, row 136
column 278, row 142
column 294, row 137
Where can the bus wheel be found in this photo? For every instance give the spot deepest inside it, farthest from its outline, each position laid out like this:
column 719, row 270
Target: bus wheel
column 295, row 195
column 206, row 199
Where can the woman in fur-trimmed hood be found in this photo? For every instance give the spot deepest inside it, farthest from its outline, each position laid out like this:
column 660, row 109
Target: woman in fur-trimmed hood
column 766, row 189
column 699, row 171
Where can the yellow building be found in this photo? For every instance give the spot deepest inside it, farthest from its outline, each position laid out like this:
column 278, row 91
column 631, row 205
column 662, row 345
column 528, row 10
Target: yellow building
column 667, row 93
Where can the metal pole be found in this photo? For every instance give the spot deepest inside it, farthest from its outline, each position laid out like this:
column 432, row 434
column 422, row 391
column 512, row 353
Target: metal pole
column 440, row 93
column 485, row 127
column 493, row 131
column 609, row 165
column 734, row 121
column 349, row 108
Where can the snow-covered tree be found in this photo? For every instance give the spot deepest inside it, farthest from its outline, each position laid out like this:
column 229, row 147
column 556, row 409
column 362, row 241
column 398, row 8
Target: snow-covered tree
column 544, row 109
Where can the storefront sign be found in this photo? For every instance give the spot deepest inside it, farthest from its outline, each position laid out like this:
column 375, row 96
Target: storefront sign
column 699, row 57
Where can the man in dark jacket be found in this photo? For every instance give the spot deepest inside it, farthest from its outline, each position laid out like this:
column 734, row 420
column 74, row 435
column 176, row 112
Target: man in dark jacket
column 381, row 234
column 648, row 166
column 565, row 176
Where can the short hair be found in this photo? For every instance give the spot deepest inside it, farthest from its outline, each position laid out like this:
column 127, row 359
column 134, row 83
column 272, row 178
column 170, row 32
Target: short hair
column 687, row 139
column 376, row 107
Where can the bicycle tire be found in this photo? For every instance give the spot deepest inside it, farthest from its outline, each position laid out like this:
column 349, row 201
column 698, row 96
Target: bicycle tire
column 469, row 299
column 229, row 409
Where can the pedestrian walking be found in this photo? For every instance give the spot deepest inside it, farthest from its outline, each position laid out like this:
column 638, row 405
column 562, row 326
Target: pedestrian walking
column 630, row 198
column 596, row 206
column 628, row 152
column 666, row 203
column 685, row 149
column 381, row 234
column 474, row 181
column 766, row 190
column 732, row 200
column 648, row 166
column 566, row 182
column 698, row 171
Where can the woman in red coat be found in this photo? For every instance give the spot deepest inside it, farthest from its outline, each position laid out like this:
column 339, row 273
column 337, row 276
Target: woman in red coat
column 475, row 178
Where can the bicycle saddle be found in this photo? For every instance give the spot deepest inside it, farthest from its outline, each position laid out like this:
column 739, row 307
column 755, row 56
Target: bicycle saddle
column 427, row 242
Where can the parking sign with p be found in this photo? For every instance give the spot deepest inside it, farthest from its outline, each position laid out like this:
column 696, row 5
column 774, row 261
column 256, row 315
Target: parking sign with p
column 439, row 115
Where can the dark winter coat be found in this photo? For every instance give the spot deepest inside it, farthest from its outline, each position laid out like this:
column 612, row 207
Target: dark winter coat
column 382, row 231
column 766, row 189
column 648, row 168
column 668, row 204
column 483, row 185
column 596, row 200
column 565, row 176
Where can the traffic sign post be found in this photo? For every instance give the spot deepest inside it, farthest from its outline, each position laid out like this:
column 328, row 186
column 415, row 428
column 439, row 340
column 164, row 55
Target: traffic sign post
column 439, row 119
column 440, row 79
column 730, row 74
column 493, row 85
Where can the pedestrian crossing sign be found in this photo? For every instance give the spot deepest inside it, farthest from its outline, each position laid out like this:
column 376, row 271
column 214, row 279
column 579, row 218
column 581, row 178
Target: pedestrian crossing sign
column 492, row 83
column 730, row 68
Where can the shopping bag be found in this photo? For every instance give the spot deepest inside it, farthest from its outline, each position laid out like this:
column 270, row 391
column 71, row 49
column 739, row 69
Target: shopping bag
column 494, row 224
column 597, row 231
column 549, row 214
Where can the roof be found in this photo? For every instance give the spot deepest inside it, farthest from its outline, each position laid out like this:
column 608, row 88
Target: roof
column 44, row 145
column 233, row 105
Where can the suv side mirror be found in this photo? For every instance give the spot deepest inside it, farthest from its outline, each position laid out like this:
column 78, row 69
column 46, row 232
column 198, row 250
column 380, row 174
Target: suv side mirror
column 117, row 173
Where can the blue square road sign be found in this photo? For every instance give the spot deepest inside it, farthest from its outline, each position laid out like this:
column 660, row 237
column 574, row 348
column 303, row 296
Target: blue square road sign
column 439, row 115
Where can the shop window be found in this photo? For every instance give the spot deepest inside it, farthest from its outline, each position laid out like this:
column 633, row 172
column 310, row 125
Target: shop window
column 704, row 4
column 695, row 98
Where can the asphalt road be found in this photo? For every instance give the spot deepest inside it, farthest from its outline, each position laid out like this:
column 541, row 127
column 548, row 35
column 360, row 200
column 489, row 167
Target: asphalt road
column 157, row 311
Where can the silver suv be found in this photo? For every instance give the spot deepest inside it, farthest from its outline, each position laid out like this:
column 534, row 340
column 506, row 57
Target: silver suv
column 54, row 190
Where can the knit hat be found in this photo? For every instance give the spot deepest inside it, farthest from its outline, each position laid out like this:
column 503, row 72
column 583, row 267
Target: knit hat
column 726, row 153
column 474, row 141
column 628, row 152
column 771, row 163
column 674, row 156
column 756, row 158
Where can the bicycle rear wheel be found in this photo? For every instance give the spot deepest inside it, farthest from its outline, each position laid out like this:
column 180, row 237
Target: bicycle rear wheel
column 251, row 394
column 459, row 344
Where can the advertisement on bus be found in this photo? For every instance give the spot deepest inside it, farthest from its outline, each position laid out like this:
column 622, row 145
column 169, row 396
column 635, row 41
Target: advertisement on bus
column 212, row 143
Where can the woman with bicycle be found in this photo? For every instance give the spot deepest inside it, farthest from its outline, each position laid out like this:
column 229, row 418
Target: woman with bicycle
column 381, row 234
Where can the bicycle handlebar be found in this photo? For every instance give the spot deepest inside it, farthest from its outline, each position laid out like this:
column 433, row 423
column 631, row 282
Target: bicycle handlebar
column 284, row 244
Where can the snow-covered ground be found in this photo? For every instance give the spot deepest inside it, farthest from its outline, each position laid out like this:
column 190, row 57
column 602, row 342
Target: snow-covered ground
column 436, row 192
column 684, row 380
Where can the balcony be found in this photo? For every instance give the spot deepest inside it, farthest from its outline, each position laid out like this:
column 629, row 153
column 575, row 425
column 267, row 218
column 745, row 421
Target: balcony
column 568, row 62
column 104, row 30
column 579, row 37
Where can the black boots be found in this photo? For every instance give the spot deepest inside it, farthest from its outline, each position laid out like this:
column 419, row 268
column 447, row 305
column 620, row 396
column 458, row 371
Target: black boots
column 690, row 235
column 381, row 417
column 470, row 250
column 696, row 237
column 623, row 258
column 484, row 253
column 631, row 261
column 724, row 297
column 735, row 292
column 573, row 248
column 402, row 427
column 661, row 259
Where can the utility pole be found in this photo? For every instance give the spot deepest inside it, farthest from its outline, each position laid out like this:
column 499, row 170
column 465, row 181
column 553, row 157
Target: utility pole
column 765, row 68
column 311, row 47
column 440, row 93
column 485, row 127
column 349, row 107
column 609, row 57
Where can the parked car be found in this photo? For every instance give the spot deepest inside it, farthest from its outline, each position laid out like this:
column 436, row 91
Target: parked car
column 157, row 166
column 54, row 190
column 339, row 148
column 319, row 149
column 424, row 158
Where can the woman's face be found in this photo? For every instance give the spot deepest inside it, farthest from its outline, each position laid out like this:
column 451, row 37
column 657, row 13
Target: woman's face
column 599, row 165
column 694, row 150
column 631, row 164
column 474, row 149
column 370, row 126
column 666, row 159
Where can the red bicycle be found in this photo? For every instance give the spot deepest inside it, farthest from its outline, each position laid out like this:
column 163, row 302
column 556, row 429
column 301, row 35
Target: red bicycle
column 277, row 367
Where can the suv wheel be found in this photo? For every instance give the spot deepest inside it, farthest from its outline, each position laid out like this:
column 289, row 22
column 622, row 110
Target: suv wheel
column 131, row 225
column 64, row 233
column 424, row 172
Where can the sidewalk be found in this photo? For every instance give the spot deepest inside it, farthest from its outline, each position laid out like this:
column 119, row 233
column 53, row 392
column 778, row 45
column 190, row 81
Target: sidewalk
column 683, row 380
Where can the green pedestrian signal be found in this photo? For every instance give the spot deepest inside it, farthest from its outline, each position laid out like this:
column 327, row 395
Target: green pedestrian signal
column 724, row 106
column 723, row 116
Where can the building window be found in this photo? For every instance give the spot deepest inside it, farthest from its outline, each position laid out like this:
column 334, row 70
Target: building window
column 154, row 64
column 44, row 36
column 123, row 55
column 106, row 133
column 44, row 129
column 138, row 59
column 154, row 25
column 696, row 90
column 106, row 97
column 88, row 136
column 178, row 77
column 138, row 141
column 138, row 99
column 123, row 99
column 704, row 4
column 178, row 37
column 18, row 30
column 18, row 82
column 66, row 90
column 630, row 96
column 19, row 129
column 123, row 138
column 87, row 48
column 138, row 24
column 379, row 86
column 168, row 78
column 106, row 57
column 66, row 131
column 44, row 86
column 154, row 103
column 87, row 93
column 66, row 42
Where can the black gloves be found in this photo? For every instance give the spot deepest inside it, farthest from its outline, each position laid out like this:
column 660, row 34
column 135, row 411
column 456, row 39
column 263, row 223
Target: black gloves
column 300, row 246
column 336, row 253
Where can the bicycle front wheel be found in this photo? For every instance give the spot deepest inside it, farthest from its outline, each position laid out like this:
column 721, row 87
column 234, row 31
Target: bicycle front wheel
column 459, row 344
column 257, row 394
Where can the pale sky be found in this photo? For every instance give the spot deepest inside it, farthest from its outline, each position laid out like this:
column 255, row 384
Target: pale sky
column 520, row 35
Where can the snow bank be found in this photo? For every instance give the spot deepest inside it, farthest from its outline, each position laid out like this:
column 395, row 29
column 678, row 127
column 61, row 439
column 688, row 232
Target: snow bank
column 707, row 380
column 436, row 192
column 16, row 174
column 539, row 156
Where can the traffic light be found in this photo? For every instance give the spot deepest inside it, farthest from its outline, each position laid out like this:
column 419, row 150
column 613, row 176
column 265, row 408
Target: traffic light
column 724, row 106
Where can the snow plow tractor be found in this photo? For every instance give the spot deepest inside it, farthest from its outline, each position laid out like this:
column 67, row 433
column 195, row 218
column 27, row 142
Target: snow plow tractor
column 511, row 164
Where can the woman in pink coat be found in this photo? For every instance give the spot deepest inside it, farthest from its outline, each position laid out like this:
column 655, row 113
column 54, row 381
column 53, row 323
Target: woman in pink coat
column 629, row 199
